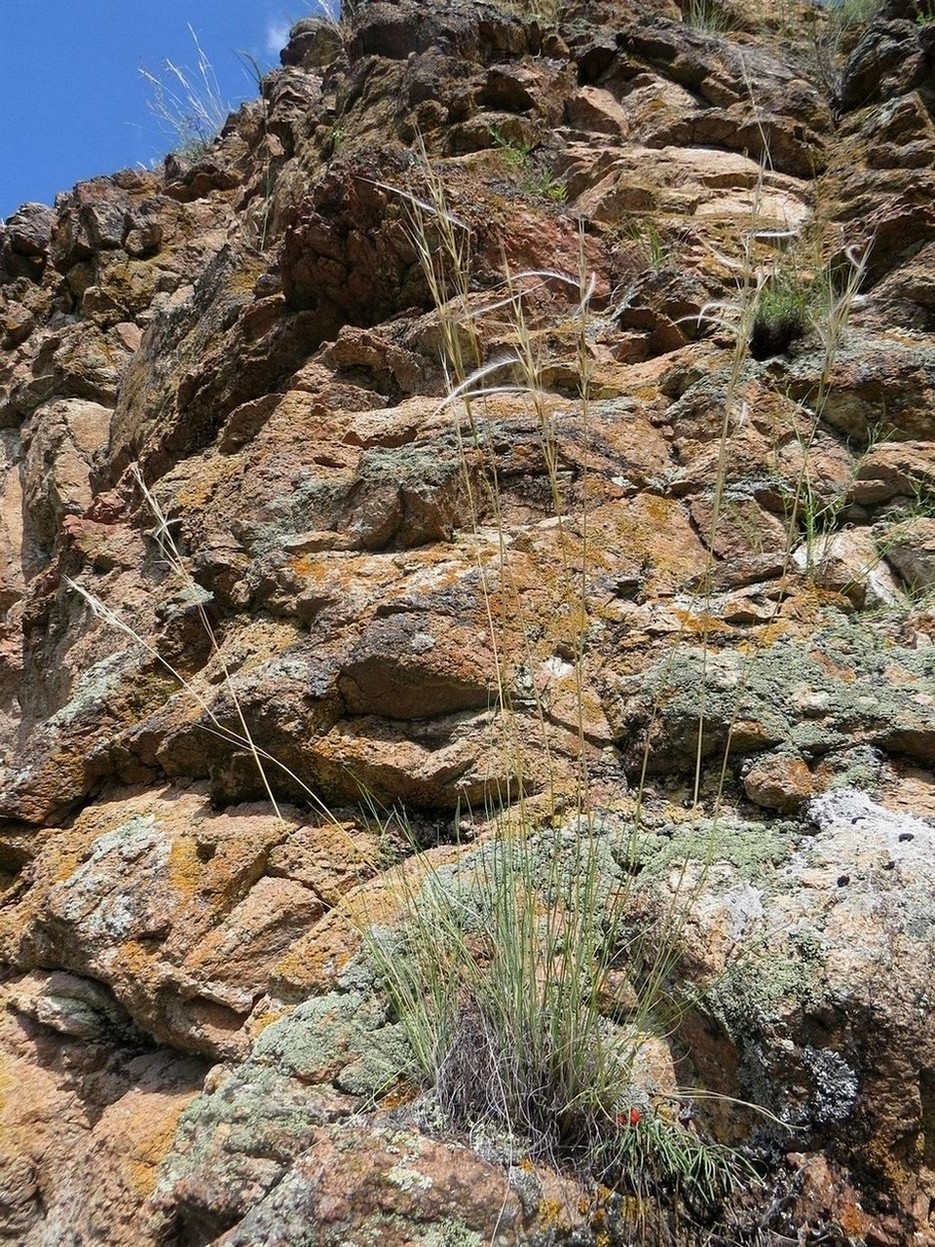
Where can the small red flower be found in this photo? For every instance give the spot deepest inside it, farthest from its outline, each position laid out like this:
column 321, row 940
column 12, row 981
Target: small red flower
column 629, row 1118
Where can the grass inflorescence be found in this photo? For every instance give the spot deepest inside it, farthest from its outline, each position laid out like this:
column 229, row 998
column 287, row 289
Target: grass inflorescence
column 188, row 104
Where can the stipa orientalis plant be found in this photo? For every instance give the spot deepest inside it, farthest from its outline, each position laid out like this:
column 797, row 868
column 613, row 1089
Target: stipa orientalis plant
column 827, row 306
column 536, row 10
column 500, row 975
column 535, row 178
column 502, row 950
column 257, row 216
column 830, row 323
column 188, row 103
column 820, row 512
column 789, row 298
column 822, row 43
column 706, row 15
column 337, row 12
column 500, row 971
column 736, row 318
column 783, row 314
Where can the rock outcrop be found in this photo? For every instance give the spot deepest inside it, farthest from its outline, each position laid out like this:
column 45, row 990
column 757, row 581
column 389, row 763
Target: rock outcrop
column 508, row 409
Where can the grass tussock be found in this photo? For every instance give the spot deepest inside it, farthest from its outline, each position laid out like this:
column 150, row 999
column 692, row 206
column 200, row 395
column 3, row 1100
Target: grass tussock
column 512, row 977
column 708, row 16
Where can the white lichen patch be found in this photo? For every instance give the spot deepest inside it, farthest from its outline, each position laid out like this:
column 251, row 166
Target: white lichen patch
column 409, row 1179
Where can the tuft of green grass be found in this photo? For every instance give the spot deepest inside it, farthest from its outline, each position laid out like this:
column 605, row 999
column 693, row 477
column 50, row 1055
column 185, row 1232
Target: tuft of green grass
column 542, row 182
column 706, row 15
column 536, row 179
column 499, row 976
column 512, row 152
column 662, row 1156
column 829, row 34
column 508, row 951
column 645, row 236
column 546, row 11
column 800, row 293
column 783, row 315
column 850, row 13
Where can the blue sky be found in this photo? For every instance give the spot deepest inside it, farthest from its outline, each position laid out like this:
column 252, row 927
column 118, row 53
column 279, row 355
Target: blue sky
column 73, row 103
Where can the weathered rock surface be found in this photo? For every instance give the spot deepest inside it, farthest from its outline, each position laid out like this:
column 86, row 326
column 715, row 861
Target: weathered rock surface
column 266, row 581
column 89, row 1107
column 830, row 1003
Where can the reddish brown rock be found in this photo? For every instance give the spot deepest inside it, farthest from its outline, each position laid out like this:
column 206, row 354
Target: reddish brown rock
column 910, row 549
column 86, row 1120
column 629, row 571
column 852, row 564
column 780, row 783
column 172, row 908
column 895, row 470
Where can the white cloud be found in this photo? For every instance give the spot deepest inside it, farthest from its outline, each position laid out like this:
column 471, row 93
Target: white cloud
column 277, row 35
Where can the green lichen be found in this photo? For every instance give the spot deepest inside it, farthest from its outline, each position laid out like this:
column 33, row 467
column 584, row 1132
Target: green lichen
column 93, row 688
column 753, row 849
column 858, row 768
column 408, row 1179
column 342, row 1036
column 450, row 1232
column 380, row 1228
column 253, row 1112
column 759, row 987
column 849, row 686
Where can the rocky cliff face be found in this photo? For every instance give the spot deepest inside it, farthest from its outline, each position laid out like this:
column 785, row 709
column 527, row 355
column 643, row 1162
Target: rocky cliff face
column 663, row 574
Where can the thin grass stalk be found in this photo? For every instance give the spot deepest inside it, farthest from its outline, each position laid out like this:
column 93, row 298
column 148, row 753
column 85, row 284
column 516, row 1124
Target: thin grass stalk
column 446, row 268
column 171, row 553
column 738, row 319
column 830, row 330
column 194, row 109
column 831, row 334
column 454, row 253
column 587, row 284
column 531, row 368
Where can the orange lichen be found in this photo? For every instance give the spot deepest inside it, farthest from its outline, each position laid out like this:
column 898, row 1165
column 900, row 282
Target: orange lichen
column 186, row 869
column 148, row 1150
column 700, row 623
column 309, row 568
column 403, row 1093
column 551, row 1215
column 200, row 487
column 836, row 670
